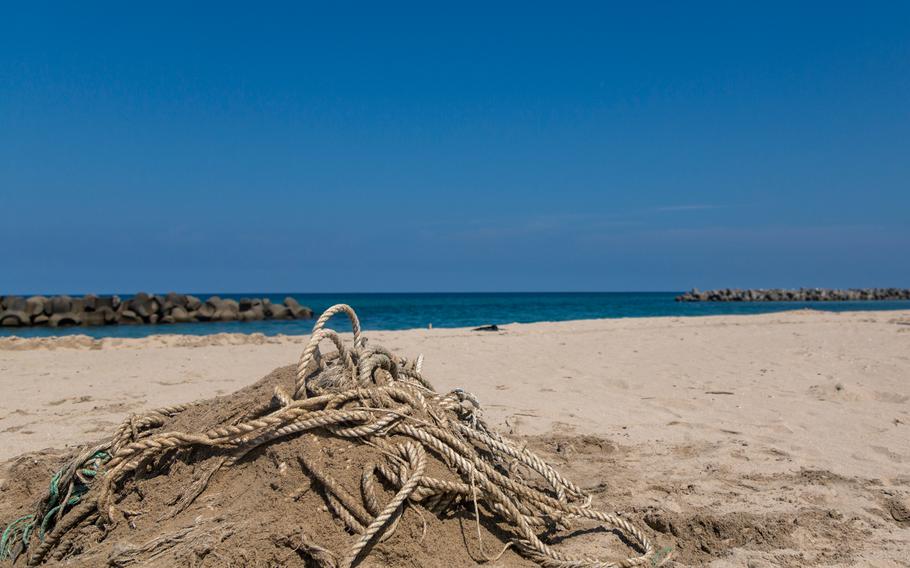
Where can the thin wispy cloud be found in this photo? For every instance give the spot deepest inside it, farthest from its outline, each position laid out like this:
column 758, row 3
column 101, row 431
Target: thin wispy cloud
column 537, row 227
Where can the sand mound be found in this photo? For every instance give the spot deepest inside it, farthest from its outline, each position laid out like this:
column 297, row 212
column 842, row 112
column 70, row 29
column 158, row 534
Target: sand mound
column 260, row 512
column 363, row 465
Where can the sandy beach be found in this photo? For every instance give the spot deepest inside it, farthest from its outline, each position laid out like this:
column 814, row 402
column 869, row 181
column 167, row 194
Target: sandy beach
column 766, row 440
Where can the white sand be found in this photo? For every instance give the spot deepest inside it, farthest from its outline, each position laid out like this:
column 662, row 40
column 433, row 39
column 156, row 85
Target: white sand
column 829, row 390
column 726, row 403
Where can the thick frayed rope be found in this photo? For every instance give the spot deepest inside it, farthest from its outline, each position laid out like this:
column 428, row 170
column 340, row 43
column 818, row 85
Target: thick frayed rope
column 368, row 395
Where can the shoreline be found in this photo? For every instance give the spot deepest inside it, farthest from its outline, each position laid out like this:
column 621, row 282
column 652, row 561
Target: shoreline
column 455, row 311
column 83, row 341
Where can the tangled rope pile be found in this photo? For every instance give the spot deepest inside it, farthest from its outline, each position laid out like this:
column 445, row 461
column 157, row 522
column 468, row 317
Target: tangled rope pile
column 369, row 395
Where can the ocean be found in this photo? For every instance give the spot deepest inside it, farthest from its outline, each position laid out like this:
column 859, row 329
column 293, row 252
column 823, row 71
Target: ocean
column 405, row 311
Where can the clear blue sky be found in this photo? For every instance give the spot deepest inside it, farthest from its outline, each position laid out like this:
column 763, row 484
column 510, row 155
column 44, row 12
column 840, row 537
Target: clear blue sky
column 481, row 146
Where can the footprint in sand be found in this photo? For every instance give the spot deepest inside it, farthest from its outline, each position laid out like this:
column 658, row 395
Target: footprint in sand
column 899, row 511
column 776, row 452
column 18, row 430
column 118, row 407
column 100, row 426
column 75, row 400
column 891, row 455
column 891, row 397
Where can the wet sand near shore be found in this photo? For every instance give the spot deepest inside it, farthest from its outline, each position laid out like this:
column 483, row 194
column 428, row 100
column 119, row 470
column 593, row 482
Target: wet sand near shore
column 767, row 440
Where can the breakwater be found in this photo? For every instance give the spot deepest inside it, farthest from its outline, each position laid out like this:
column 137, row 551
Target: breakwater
column 800, row 295
column 90, row 310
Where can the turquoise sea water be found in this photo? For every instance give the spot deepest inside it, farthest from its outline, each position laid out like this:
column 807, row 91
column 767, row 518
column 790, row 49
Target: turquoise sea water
column 404, row 311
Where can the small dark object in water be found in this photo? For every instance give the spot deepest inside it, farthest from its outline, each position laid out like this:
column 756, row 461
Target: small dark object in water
column 493, row 327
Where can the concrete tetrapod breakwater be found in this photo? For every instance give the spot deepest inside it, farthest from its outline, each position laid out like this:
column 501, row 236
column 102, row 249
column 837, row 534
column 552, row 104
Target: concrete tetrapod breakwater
column 57, row 311
column 801, row 295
